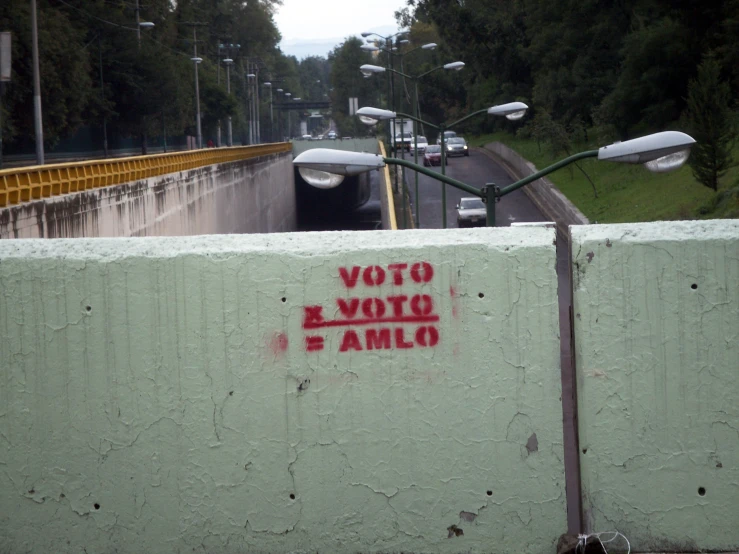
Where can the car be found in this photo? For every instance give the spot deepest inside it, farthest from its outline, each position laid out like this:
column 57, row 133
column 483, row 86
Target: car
column 404, row 140
column 422, row 144
column 432, row 155
column 307, row 137
column 447, row 136
column 471, row 211
column 457, row 146
column 319, row 137
column 332, row 135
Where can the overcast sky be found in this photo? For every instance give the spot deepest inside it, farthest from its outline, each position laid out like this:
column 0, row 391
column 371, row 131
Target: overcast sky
column 316, row 19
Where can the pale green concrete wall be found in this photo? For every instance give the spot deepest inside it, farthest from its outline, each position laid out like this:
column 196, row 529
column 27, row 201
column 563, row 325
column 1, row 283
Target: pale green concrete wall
column 656, row 325
column 158, row 395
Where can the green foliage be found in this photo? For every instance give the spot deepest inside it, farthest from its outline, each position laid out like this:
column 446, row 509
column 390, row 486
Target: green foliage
column 712, row 124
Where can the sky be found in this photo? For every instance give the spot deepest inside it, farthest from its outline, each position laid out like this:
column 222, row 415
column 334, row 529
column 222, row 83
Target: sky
column 314, row 27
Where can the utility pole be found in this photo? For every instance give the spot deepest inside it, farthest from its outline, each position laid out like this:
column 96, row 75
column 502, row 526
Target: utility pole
column 197, row 85
column 37, row 121
column 228, row 63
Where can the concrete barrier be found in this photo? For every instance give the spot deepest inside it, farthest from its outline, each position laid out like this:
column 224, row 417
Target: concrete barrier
column 656, row 320
column 331, row 392
column 547, row 197
column 250, row 195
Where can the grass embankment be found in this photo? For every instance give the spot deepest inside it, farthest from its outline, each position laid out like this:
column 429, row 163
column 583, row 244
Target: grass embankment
column 627, row 192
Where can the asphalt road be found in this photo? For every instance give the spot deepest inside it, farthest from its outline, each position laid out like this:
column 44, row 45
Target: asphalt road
column 476, row 170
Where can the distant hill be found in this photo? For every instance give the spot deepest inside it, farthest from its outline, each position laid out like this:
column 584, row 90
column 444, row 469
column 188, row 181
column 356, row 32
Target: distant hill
column 303, row 48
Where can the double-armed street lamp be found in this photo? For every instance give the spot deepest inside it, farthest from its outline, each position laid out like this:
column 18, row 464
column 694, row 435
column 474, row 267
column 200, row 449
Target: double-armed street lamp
column 369, row 70
column 228, row 62
column 659, row 152
column 512, row 111
column 271, row 120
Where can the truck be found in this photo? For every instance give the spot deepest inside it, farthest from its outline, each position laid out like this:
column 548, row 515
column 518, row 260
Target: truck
column 403, row 134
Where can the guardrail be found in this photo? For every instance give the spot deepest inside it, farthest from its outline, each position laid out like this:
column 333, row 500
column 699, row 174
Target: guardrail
column 23, row 184
column 389, row 220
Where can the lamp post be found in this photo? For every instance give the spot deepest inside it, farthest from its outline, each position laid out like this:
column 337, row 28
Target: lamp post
column 512, row 111
column 660, row 152
column 228, row 62
column 271, row 118
column 289, row 118
column 279, row 116
column 369, row 70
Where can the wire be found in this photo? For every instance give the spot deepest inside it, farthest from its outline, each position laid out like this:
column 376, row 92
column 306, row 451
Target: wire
column 96, row 17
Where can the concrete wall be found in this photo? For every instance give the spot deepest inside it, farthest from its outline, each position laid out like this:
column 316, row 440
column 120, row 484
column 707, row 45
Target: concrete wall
column 550, row 201
column 248, row 196
column 249, row 394
column 656, row 320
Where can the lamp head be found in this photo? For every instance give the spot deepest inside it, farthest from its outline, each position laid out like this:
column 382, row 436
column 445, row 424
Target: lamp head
column 369, row 69
column 429, row 46
column 228, row 61
column 660, row 152
column 511, row 110
column 196, row 60
column 267, row 84
column 457, row 66
column 279, row 90
column 370, row 116
column 369, row 48
column 324, row 168
column 146, row 24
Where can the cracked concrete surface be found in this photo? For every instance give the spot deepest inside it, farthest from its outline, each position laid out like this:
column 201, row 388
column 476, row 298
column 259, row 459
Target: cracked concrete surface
column 163, row 419
column 657, row 346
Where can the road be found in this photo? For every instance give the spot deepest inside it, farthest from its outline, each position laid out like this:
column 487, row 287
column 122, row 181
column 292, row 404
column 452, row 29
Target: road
column 475, row 170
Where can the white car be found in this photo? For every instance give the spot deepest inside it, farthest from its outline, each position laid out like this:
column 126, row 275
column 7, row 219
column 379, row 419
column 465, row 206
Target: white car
column 332, row 135
column 422, row 144
column 471, row 211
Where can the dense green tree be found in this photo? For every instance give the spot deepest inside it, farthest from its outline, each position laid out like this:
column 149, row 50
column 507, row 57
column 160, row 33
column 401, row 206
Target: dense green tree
column 711, row 122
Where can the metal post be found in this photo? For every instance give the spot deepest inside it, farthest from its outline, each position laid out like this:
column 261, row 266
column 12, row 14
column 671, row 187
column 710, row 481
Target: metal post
column 271, row 118
column 443, row 172
column 218, row 73
column 102, row 95
column 228, row 90
column 415, row 152
column 490, row 197
column 164, row 132
column 37, row 121
column 402, row 172
column 197, row 86
column 256, row 93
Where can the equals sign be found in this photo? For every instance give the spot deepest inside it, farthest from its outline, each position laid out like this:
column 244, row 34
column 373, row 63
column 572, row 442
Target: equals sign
column 313, row 343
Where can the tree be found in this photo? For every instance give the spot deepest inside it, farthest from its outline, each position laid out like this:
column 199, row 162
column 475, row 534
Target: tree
column 711, row 123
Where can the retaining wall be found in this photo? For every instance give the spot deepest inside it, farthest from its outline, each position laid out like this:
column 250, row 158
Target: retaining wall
column 330, row 392
column 171, row 194
column 542, row 192
column 656, row 321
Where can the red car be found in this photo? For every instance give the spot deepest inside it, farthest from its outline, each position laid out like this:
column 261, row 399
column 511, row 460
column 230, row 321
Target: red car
column 432, row 156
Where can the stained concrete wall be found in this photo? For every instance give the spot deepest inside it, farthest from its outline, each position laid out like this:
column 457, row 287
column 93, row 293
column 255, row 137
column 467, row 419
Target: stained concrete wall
column 249, row 196
column 656, row 320
column 330, row 392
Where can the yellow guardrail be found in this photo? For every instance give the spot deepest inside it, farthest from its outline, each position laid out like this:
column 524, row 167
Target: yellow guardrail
column 24, row 184
column 389, row 192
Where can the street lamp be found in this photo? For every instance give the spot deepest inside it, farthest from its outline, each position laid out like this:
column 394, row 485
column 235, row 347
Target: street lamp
column 368, row 70
column 279, row 116
column 511, row 110
column 271, row 120
column 289, row 119
column 660, row 152
column 228, row 62
column 196, row 61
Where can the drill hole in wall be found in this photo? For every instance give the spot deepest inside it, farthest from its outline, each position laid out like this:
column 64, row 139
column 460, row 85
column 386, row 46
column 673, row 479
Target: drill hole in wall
column 702, row 491
column 694, row 286
column 88, row 308
column 292, row 497
column 489, row 493
column 97, row 506
column 284, row 299
column 481, row 295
